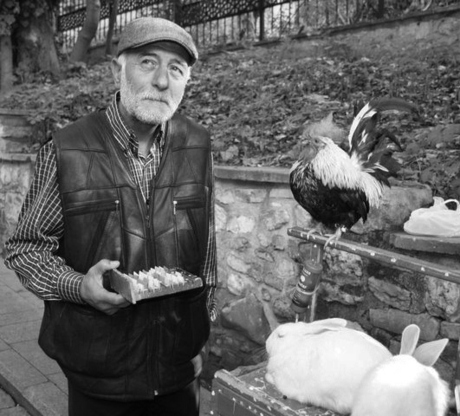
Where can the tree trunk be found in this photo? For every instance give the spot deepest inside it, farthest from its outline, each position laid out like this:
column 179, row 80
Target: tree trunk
column 6, row 64
column 34, row 40
column 88, row 31
column 177, row 11
column 112, row 21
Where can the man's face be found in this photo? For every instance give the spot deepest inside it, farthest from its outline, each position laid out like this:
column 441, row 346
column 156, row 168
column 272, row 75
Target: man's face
column 152, row 83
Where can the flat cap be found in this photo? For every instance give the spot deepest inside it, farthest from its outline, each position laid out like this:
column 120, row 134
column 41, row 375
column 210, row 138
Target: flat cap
column 146, row 30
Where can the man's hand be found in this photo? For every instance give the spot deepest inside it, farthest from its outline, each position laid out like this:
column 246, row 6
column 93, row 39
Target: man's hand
column 197, row 365
column 199, row 360
column 93, row 292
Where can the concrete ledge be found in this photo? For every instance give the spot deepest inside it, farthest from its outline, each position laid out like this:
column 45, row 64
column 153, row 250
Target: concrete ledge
column 18, row 157
column 259, row 174
column 411, row 242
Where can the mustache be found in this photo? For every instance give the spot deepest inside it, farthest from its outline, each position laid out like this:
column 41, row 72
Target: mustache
column 154, row 97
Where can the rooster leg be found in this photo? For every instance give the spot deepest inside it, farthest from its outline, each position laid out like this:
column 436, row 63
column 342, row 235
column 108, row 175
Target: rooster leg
column 334, row 237
column 317, row 229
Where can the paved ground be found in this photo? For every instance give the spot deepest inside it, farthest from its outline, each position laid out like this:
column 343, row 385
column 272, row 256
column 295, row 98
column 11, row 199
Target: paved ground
column 27, row 376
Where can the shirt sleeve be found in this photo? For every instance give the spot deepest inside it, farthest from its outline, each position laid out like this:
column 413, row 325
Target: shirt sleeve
column 210, row 264
column 30, row 251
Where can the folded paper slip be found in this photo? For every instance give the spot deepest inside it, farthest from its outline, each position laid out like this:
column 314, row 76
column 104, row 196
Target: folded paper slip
column 156, row 282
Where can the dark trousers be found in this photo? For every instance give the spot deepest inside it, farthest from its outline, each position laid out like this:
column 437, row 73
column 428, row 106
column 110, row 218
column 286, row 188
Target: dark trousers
column 185, row 402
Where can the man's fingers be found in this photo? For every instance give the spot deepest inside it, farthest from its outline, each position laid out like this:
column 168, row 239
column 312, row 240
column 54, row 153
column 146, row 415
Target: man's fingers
column 108, row 302
column 103, row 265
column 116, row 299
column 93, row 292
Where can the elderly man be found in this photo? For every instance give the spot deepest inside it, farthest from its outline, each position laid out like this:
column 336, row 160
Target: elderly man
column 129, row 187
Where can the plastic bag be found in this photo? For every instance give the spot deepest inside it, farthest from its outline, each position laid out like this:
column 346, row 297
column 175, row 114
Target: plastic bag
column 438, row 220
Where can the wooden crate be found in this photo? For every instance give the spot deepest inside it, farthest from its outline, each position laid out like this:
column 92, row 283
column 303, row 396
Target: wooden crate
column 124, row 285
column 245, row 392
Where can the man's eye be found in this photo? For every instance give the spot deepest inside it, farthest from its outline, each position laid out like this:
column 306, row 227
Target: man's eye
column 148, row 63
column 177, row 69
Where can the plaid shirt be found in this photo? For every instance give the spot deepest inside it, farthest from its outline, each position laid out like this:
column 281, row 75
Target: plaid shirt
column 30, row 250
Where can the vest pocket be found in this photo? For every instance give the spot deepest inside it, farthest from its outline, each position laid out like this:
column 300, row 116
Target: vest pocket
column 93, row 206
column 186, row 210
column 186, row 330
column 97, row 224
column 188, row 202
column 87, row 341
column 107, row 240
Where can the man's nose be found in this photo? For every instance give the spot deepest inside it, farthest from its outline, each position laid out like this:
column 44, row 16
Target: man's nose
column 160, row 78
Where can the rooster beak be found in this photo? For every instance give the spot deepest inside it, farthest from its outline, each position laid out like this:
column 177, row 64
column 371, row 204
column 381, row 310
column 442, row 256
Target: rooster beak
column 318, row 142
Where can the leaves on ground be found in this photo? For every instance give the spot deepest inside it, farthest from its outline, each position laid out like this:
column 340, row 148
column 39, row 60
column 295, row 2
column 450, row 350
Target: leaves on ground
column 257, row 100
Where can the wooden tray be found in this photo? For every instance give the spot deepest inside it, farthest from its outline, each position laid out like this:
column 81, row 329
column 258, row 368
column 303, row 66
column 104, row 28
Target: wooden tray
column 247, row 393
column 125, row 286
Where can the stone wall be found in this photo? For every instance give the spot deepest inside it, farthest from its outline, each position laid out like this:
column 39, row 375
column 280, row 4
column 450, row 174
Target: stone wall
column 17, row 155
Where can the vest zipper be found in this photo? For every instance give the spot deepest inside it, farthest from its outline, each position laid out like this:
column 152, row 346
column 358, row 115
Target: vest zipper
column 147, row 218
column 149, row 230
column 152, row 365
column 176, row 240
column 105, row 205
column 188, row 202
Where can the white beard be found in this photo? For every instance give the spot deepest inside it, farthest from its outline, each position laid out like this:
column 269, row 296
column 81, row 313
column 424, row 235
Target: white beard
column 144, row 106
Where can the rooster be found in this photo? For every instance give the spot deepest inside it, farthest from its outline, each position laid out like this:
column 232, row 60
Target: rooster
column 337, row 185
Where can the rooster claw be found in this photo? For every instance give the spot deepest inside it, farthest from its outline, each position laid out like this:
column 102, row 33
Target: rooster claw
column 316, row 230
column 319, row 229
column 334, row 238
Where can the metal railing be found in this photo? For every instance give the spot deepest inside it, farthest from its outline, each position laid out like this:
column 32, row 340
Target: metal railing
column 223, row 22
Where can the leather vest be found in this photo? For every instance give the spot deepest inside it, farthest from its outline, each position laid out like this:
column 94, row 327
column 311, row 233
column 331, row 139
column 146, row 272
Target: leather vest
column 145, row 349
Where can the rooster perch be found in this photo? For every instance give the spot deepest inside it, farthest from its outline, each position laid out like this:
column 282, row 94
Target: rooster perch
column 338, row 187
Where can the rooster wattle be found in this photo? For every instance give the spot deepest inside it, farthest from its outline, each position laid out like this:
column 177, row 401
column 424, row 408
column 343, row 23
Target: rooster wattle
column 338, row 187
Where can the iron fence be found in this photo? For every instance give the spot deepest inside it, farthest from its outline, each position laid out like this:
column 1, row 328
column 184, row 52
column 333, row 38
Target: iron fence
column 223, row 22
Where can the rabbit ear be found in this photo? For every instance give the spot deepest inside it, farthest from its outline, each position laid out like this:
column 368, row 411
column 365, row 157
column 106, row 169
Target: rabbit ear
column 409, row 339
column 428, row 353
column 286, row 329
column 331, row 324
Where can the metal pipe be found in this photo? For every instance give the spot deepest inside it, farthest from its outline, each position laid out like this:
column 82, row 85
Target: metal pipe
column 304, row 296
column 383, row 256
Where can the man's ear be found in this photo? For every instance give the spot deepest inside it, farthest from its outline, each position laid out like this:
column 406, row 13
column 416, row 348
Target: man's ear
column 116, row 70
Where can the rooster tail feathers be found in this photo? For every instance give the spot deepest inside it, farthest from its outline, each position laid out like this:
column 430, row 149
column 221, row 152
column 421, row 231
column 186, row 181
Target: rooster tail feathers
column 380, row 157
column 366, row 120
column 387, row 104
column 369, row 145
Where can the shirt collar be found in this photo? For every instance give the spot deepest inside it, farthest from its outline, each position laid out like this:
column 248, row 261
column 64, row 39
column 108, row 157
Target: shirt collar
column 123, row 134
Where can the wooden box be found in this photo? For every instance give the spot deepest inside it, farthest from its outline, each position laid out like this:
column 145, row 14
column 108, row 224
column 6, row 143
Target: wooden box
column 245, row 392
column 125, row 286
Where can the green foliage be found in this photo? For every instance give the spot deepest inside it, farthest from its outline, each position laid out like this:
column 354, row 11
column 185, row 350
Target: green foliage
column 8, row 10
column 256, row 101
column 56, row 104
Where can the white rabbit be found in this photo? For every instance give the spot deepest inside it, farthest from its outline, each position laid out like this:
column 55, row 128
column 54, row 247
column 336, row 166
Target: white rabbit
column 321, row 363
column 406, row 384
